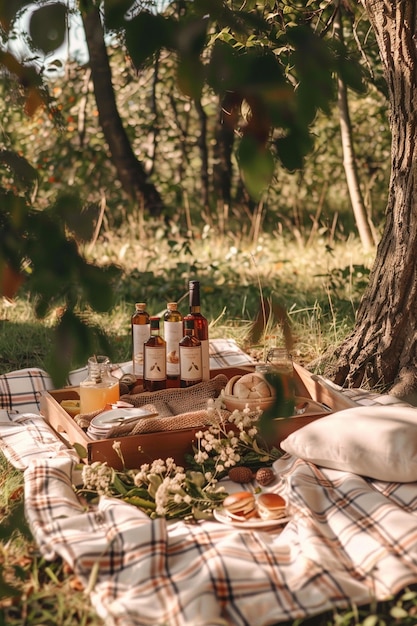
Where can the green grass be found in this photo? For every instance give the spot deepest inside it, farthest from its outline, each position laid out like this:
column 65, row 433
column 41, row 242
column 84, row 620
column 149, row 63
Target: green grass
column 33, row 591
column 319, row 286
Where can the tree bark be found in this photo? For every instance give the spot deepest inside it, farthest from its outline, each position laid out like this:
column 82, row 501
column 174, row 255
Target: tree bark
column 223, row 150
column 130, row 171
column 383, row 345
column 202, row 144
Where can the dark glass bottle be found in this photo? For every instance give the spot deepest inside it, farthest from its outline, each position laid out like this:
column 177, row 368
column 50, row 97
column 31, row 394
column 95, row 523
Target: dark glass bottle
column 141, row 331
column 173, row 333
column 154, row 359
column 190, row 356
column 201, row 330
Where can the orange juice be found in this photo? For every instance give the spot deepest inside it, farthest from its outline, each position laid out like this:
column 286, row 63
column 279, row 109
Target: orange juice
column 100, row 387
column 94, row 397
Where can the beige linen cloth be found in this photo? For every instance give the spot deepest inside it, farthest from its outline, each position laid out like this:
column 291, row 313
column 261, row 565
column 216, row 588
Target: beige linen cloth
column 176, row 408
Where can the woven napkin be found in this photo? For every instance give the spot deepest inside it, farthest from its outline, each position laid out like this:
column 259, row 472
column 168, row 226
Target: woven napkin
column 194, row 419
column 177, row 409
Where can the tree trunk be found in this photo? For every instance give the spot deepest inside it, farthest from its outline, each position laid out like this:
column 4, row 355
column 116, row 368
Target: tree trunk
column 223, row 150
column 202, row 144
column 130, row 171
column 383, row 345
column 349, row 157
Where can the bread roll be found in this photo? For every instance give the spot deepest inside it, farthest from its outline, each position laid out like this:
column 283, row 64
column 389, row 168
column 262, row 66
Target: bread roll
column 241, row 505
column 271, row 506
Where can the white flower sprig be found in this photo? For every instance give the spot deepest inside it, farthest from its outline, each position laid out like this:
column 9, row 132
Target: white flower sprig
column 164, row 489
column 226, row 444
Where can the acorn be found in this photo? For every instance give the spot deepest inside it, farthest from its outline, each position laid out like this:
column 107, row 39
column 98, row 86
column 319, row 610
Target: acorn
column 241, row 474
column 265, row 476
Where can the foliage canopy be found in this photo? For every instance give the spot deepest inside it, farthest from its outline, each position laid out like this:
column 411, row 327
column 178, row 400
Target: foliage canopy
column 266, row 71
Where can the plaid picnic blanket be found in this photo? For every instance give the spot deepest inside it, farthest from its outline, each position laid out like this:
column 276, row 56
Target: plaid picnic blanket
column 350, row 539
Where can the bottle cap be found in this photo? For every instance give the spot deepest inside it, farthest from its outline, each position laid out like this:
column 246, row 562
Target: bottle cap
column 194, row 292
column 154, row 321
column 172, row 306
column 140, row 306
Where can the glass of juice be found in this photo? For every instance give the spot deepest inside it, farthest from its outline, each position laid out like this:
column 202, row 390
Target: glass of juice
column 100, row 387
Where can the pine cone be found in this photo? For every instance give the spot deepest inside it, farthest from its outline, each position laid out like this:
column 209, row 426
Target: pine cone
column 265, row 476
column 241, row 474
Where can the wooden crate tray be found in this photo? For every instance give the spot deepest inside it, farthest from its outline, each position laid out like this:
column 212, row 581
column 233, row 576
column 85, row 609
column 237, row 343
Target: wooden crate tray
column 144, row 448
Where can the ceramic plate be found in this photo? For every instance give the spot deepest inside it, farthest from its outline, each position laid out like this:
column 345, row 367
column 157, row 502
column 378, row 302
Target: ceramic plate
column 251, row 524
column 115, row 417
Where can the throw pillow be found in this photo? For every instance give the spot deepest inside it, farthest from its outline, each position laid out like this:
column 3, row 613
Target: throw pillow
column 375, row 441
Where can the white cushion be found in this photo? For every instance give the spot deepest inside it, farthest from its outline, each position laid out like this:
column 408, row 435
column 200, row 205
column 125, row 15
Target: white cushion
column 378, row 441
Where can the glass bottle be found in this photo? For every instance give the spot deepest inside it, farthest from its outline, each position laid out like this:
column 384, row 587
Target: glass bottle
column 200, row 326
column 190, row 356
column 173, row 333
column 100, row 387
column 280, row 367
column 141, row 331
column 154, row 359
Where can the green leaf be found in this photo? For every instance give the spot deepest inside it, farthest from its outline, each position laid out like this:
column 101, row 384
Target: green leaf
column 256, row 447
column 19, row 166
column 398, row 613
column 80, row 450
column 140, row 502
column 352, row 75
column 190, row 36
column 190, row 77
column 293, row 148
column 15, row 521
column 118, row 485
column 197, row 478
column 256, row 164
column 371, row 620
column 199, row 514
column 146, row 34
column 80, row 220
column 282, row 406
column 315, row 64
column 139, row 492
column 115, row 12
column 97, row 283
column 48, row 27
column 154, row 484
column 74, row 342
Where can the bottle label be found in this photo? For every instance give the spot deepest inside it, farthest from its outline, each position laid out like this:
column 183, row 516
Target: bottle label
column 140, row 334
column 173, row 333
column 190, row 362
column 154, row 363
column 205, row 359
